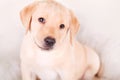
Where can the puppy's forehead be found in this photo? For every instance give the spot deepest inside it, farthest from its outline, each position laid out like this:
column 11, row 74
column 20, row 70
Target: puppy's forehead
column 52, row 5
column 51, row 9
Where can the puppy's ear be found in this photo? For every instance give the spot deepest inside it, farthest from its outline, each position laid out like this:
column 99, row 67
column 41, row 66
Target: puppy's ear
column 74, row 26
column 26, row 14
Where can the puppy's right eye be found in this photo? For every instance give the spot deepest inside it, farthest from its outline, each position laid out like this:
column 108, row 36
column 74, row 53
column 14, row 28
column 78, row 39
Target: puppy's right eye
column 62, row 26
column 41, row 19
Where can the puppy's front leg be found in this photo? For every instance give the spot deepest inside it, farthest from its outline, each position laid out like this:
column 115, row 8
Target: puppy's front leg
column 48, row 75
column 26, row 74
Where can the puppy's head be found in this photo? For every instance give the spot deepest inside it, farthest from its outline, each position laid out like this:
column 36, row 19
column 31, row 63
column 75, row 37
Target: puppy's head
column 49, row 23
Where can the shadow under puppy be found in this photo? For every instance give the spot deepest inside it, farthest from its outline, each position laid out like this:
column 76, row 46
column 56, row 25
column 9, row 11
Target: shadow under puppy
column 49, row 50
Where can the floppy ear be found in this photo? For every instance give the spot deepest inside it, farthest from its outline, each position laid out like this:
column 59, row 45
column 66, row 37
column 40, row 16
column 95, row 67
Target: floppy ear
column 74, row 26
column 26, row 15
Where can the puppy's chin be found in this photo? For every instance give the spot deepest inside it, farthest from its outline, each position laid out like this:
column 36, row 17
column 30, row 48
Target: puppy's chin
column 46, row 48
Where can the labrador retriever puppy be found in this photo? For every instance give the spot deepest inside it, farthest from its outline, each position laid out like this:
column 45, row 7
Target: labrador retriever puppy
column 49, row 49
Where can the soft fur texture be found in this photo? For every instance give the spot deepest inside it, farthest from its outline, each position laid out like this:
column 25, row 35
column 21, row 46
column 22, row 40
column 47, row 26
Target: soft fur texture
column 99, row 29
column 67, row 59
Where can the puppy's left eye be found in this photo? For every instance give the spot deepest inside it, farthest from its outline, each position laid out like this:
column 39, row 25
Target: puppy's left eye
column 41, row 19
column 62, row 26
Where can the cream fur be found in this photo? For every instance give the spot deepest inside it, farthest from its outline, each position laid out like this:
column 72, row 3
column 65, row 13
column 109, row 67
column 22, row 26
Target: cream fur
column 68, row 60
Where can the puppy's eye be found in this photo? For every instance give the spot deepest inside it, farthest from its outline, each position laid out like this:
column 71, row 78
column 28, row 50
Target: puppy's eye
column 41, row 19
column 62, row 26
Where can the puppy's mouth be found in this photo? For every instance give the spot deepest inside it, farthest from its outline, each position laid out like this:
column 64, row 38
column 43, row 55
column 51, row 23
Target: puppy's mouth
column 44, row 47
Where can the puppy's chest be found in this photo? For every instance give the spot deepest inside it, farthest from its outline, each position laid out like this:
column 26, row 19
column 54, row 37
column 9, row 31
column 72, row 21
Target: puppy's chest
column 51, row 58
column 54, row 65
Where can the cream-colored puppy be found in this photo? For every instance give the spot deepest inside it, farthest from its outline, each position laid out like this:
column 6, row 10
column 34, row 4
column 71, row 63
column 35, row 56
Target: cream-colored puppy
column 50, row 50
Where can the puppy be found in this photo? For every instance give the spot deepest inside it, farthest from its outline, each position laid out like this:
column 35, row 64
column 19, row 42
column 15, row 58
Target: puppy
column 49, row 49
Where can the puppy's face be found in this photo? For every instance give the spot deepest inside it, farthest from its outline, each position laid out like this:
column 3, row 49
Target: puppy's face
column 49, row 23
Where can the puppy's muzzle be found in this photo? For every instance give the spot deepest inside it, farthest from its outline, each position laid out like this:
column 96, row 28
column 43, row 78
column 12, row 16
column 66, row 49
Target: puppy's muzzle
column 49, row 42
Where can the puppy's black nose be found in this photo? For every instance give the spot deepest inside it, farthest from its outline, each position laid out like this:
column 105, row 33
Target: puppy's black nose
column 49, row 41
